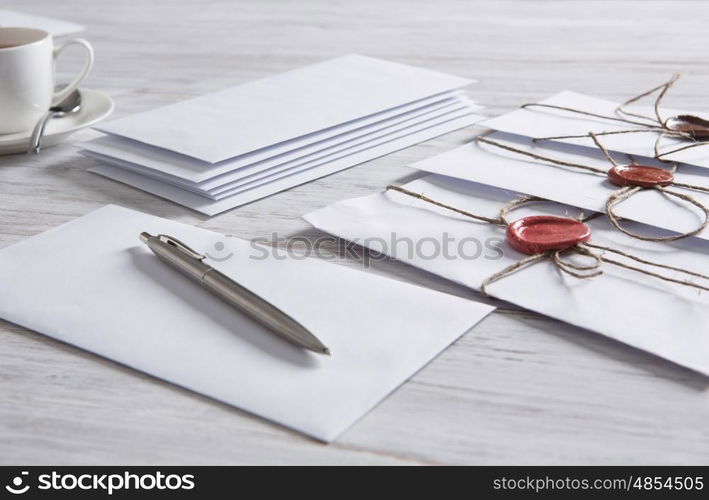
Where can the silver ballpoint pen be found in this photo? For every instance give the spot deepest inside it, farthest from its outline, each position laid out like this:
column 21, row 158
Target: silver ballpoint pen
column 190, row 263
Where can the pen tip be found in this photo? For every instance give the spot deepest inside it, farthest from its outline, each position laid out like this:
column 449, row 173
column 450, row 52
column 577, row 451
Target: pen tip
column 326, row 351
column 144, row 236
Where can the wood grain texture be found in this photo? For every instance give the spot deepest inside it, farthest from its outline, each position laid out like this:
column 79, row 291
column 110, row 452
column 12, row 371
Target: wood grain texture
column 518, row 389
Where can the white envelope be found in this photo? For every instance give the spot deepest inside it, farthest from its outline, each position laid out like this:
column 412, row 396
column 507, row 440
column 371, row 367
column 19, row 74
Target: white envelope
column 55, row 27
column 663, row 318
column 545, row 122
column 93, row 284
column 176, row 167
column 221, row 184
column 493, row 166
column 259, row 114
column 282, row 181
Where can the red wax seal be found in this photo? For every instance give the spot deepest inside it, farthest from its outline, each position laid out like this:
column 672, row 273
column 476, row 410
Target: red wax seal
column 539, row 233
column 640, row 175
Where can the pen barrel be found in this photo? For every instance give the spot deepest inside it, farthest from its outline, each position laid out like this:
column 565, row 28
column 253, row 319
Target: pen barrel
column 190, row 267
column 237, row 296
column 259, row 310
column 254, row 306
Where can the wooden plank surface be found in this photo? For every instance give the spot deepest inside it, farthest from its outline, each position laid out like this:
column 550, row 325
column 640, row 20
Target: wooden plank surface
column 519, row 388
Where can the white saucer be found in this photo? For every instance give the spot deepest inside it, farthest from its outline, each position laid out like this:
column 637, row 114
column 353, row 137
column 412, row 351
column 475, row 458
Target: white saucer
column 95, row 106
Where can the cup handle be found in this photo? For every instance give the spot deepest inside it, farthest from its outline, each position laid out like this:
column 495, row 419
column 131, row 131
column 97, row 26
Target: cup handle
column 63, row 93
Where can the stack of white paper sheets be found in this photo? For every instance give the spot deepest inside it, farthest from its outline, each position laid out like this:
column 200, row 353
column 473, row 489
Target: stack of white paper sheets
column 222, row 150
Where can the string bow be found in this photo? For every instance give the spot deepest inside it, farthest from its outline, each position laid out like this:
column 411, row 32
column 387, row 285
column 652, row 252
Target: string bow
column 684, row 127
column 555, row 249
column 631, row 179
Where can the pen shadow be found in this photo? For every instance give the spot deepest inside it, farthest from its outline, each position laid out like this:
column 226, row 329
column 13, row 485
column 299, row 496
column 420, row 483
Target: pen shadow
column 190, row 293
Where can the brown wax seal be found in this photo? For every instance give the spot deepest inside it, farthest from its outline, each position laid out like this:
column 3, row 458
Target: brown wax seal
column 640, row 175
column 697, row 128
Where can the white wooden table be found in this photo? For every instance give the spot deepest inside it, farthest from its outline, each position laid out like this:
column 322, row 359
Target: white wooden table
column 518, row 389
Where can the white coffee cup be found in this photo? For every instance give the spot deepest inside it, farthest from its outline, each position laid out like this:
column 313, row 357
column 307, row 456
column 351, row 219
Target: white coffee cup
column 27, row 61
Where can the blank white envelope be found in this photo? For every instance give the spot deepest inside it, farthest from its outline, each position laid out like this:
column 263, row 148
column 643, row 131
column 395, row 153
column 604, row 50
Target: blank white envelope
column 266, row 112
column 493, row 166
column 91, row 283
column 663, row 318
column 287, row 179
column 547, row 122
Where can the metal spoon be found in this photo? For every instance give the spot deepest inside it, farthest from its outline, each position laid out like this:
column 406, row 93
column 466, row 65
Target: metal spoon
column 71, row 104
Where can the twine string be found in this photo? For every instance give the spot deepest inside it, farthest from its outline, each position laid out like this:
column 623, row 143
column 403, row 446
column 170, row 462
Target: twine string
column 540, row 157
column 603, row 149
column 585, row 113
column 647, row 262
column 657, row 121
column 650, row 263
column 658, row 125
column 663, row 90
column 572, row 269
column 656, row 130
column 627, row 192
column 691, row 186
column 678, row 149
column 622, row 194
column 498, row 221
column 579, row 271
column 516, row 203
column 509, row 270
column 656, row 147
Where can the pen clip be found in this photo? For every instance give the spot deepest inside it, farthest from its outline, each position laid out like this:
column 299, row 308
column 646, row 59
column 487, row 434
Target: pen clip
column 169, row 240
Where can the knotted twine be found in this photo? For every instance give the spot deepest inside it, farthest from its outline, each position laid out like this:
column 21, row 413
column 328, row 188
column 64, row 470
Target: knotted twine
column 584, row 249
column 654, row 124
column 625, row 192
